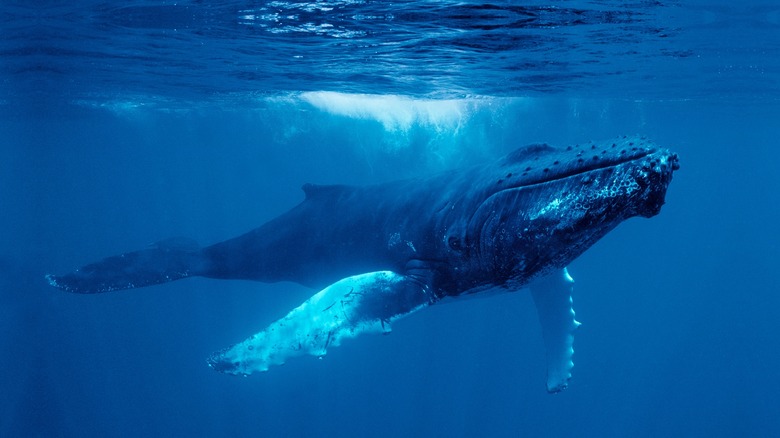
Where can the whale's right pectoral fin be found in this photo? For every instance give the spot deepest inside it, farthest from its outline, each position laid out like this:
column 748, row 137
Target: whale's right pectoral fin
column 359, row 304
column 552, row 296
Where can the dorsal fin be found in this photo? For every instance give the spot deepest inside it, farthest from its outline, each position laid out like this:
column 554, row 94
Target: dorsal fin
column 313, row 190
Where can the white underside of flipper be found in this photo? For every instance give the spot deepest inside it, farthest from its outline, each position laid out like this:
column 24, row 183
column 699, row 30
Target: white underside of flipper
column 552, row 296
column 363, row 303
column 369, row 303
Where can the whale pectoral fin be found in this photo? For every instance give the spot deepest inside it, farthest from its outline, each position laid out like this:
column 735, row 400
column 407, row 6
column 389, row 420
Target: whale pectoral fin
column 354, row 305
column 552, row 296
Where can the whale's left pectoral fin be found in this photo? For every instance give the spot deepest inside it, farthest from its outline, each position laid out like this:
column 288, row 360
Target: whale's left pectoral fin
column 552, row 296
column 359, row 304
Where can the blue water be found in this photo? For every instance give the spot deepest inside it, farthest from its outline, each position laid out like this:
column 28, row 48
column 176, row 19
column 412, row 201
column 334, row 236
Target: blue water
column 124, row 124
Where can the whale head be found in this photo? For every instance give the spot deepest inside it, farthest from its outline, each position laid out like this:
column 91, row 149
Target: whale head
column 541, row 206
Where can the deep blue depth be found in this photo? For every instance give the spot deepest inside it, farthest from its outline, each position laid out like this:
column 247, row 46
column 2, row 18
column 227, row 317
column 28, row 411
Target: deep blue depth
column 117, row 133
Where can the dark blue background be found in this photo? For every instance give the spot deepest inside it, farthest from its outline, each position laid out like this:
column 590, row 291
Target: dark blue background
column 679, row 332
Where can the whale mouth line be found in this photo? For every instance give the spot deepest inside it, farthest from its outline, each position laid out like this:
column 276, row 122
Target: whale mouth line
column 602, row 164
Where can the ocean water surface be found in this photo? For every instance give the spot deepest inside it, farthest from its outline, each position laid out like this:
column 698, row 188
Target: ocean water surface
column 126, row 123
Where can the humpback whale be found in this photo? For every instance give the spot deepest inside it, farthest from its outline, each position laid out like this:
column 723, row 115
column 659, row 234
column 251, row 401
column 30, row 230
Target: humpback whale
column 383, row 251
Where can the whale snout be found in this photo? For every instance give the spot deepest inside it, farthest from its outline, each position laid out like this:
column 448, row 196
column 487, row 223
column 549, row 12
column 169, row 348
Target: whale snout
column 675, row 162
column 655, row 176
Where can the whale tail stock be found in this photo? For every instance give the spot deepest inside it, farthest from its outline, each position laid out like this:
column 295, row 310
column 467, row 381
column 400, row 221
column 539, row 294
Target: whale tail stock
column 164, row 261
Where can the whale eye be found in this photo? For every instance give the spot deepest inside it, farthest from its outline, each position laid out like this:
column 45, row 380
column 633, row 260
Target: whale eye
column 454, row 243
